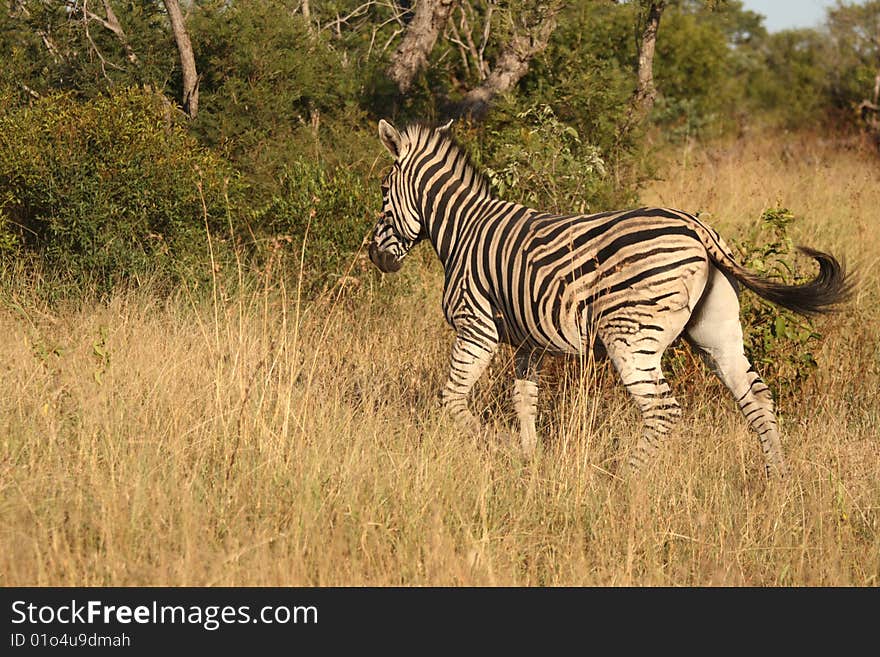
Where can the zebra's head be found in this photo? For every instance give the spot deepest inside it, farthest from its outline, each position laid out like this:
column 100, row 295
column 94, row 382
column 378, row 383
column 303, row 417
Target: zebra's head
column 400, row 226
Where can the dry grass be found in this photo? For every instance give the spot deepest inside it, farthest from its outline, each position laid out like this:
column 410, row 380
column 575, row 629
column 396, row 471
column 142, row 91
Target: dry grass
column 258, row 442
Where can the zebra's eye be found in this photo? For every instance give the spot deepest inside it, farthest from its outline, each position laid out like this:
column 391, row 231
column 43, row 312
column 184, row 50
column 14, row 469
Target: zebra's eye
column 386, row 179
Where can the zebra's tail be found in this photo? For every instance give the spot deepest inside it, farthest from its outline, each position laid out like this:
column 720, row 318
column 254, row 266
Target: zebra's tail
column 831, row 287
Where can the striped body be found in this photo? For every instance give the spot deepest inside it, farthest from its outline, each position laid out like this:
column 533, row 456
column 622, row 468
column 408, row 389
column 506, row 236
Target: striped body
column 556, row 279
column 626, row 282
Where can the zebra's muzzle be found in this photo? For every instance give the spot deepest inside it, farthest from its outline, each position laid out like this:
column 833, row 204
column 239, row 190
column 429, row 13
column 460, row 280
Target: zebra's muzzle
column 385, row 261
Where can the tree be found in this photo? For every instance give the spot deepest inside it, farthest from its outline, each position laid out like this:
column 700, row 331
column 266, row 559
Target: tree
column 111, row 22
column 88, row 47
column 646, row 92
column 855, row 64
column 187, row 59
column 528, row 39
column 642, row 100
column 421, row 34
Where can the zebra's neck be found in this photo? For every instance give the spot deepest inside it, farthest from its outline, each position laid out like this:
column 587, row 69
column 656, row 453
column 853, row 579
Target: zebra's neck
column 449, row 191
column 452, row 212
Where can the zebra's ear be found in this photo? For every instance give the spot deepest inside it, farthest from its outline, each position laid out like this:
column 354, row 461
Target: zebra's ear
column 445, row 127
column 390, row 137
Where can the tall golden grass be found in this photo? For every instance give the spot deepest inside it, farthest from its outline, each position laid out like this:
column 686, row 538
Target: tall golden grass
column 260, row 440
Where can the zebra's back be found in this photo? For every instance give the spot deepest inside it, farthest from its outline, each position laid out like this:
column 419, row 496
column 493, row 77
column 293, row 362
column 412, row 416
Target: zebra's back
column 554, row 279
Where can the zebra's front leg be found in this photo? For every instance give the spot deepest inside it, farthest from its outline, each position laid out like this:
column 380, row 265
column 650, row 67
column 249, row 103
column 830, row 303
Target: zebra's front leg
column 525, row 397
column 469, row 360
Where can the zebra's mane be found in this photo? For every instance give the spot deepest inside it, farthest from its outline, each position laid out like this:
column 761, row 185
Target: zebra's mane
column 423, row 135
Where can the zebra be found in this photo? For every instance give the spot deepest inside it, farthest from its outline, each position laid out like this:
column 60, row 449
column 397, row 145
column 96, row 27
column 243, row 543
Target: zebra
column 623, row 283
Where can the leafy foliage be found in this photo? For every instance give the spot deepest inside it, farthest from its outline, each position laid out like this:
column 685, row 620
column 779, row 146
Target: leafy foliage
column 853, row 52
column 53, row 46
column 791, row 84
column 586, row 76
column 779, row 342
column 99, row 178
column 543, row 163
column 108, row 189
column 324, row 214
column 267, row 83
column 815, row 77
column 693, row 66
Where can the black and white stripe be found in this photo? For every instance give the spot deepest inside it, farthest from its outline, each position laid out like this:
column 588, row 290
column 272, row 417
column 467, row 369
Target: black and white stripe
column 628, row 282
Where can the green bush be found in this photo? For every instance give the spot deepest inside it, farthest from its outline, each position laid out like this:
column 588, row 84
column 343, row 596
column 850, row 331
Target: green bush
column 542, row 162
column 692, row 68
column 587, row 77
column 268, row 84
column 48, row 47
column 853, row 57
column 324, row 214
column 108, row 189
column 778, row 342
column 792, row 82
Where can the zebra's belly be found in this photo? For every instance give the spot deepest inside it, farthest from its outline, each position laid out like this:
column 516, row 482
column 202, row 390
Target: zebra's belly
column 561, row 330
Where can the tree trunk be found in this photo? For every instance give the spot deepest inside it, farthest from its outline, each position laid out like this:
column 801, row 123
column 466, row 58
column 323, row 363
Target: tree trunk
column 513, row 62
column 646, row 92
column 187, row 60
column 643, row 98
column 421, row 35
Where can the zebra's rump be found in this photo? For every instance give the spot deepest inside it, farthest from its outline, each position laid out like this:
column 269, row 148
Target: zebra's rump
column 558, row 278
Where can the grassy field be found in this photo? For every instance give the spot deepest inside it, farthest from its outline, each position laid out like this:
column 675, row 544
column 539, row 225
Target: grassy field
column 262, row 441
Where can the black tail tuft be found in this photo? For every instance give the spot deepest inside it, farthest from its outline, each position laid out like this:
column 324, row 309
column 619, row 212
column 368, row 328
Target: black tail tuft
column 830, row 288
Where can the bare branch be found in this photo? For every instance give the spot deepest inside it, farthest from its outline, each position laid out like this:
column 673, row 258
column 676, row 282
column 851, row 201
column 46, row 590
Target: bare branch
column 513, row 62
column 397, row 32
column 30, row 92
column 643, row 98
column 50, row 46
column 487, row 30
column 395, row 18
column 112, row 23
column 461, row 35
column 877, row 88
column 95, row 49
column 455, row 39
column 337, row 24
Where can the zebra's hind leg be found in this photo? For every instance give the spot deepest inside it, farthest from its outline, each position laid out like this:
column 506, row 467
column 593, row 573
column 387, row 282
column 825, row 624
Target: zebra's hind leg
column 635, row 344
column 716, row 330
column 525, row 397
column 641, row 375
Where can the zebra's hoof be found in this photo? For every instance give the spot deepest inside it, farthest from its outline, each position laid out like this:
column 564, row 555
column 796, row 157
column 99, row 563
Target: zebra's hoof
column 777, row 471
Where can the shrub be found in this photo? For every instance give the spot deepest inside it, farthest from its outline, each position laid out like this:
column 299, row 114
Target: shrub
column 329, row 210
column 540, row 161
column 108, row 189
column 702, row 50
column 778, row 342
column 267, row 82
